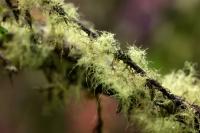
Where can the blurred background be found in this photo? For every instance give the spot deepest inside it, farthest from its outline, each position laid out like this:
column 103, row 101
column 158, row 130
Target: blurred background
column 168, row 29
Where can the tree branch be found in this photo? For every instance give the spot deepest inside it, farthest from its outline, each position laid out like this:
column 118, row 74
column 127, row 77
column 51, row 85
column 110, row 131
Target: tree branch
column 120, row 55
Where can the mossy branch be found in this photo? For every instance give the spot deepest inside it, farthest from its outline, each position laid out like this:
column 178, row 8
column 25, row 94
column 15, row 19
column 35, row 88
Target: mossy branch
column 61, row 42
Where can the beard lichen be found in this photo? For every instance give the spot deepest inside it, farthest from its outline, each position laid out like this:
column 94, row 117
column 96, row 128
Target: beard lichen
column 47, row 46
column 185, row 83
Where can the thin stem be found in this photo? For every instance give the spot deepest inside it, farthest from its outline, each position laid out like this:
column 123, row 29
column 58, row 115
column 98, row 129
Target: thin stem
column 99, row 126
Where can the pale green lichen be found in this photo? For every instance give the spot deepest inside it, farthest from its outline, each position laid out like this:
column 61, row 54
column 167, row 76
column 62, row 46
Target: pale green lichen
column 21, row 51
column 184, row 83
column 98, row 62
column 29, row 4
column 71, row 10
column 139, row 57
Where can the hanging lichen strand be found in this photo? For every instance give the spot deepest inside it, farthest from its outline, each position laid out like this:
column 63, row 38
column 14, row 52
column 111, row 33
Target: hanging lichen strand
column 55, row 41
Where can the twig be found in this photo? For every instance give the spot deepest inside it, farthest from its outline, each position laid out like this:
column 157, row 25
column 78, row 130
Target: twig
column 99, row 126
column 153, row 84
column 61, row 12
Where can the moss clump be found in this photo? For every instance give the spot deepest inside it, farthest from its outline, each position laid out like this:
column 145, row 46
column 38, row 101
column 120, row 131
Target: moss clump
column 184, row 83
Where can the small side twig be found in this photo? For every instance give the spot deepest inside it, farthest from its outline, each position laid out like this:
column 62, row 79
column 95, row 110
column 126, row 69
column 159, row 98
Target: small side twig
column 98, row 128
